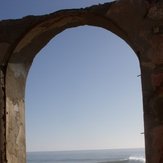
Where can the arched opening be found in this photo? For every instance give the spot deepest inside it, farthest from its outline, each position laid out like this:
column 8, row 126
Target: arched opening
column 85, row 59
column 22, row 39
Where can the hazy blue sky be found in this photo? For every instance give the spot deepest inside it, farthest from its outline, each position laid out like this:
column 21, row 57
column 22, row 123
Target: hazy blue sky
column 82, row 90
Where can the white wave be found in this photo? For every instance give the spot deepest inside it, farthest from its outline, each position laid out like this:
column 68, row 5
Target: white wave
column 141, row 159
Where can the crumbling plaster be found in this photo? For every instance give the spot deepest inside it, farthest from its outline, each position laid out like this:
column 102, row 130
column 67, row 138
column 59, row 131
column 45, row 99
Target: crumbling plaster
column 138, row 22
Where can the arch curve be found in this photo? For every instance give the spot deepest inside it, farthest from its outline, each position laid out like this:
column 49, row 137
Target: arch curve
column 51, row 25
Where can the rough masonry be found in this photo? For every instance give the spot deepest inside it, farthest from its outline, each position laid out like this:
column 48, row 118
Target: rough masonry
column 138, row 22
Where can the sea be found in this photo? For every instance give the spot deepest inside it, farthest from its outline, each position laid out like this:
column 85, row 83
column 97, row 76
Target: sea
column 88, row 156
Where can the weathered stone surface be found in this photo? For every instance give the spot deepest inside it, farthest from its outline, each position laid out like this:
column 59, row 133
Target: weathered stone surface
column 138, row 22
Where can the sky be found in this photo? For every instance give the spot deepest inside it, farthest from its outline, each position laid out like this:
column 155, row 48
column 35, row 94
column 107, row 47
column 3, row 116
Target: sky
column 83, row 89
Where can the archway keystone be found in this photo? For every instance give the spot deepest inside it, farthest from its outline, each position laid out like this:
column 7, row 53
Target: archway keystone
column 138, row 22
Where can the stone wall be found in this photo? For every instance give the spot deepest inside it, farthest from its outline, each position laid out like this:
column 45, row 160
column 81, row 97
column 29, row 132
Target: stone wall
column 138, row 22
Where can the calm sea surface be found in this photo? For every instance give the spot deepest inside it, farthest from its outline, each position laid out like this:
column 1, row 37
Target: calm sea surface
column 88, row 156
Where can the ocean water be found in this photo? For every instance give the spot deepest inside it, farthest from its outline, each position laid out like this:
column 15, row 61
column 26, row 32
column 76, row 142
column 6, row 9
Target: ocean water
column 88, row 156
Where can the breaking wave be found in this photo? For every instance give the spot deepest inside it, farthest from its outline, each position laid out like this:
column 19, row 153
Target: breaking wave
column 137, row 159
column 129, row 160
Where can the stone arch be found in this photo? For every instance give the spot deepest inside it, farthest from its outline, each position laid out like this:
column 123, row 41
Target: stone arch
column 18, row 65
column 137, row 22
